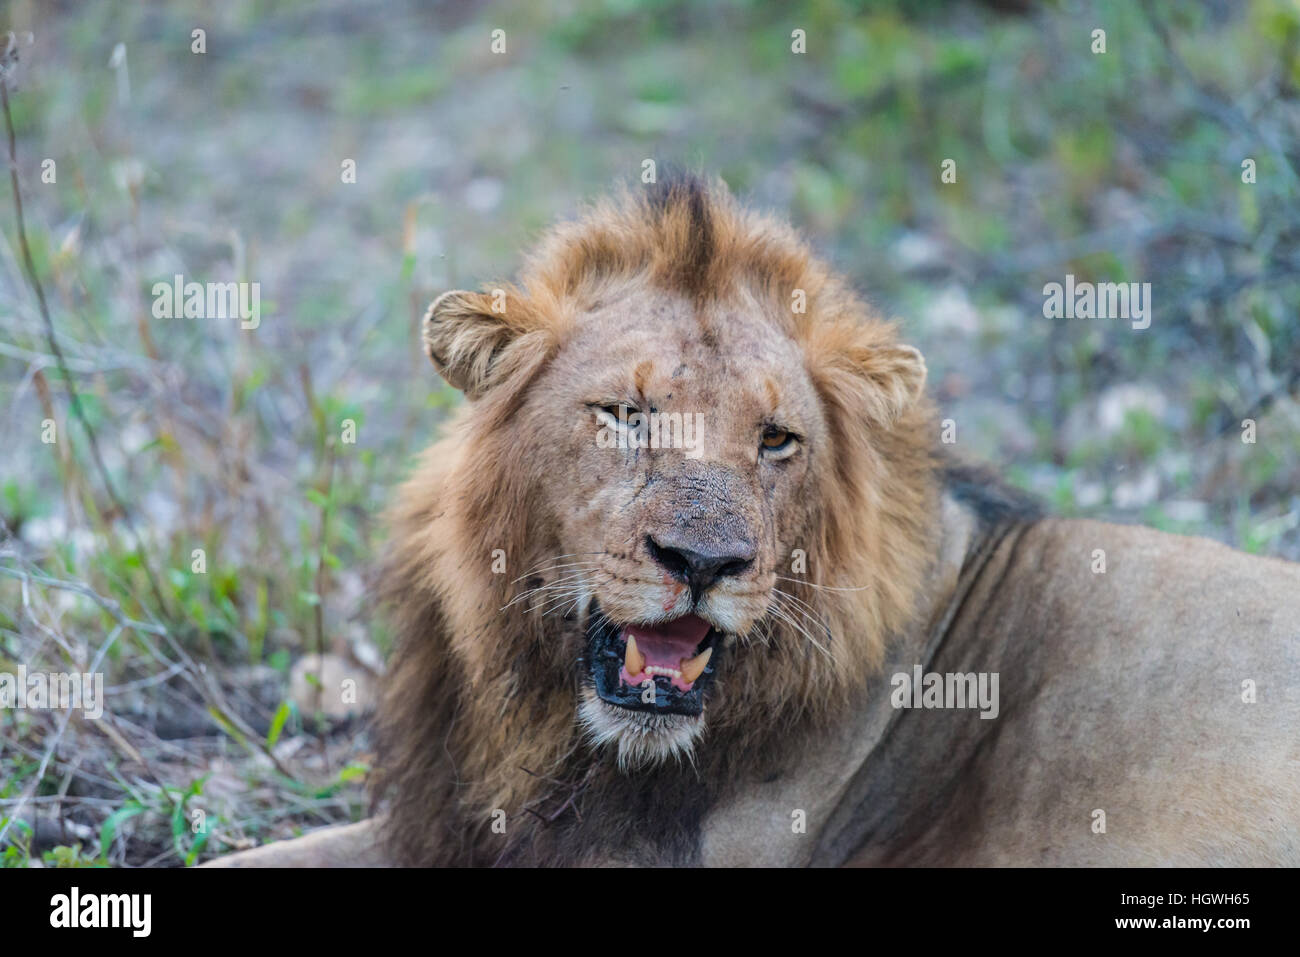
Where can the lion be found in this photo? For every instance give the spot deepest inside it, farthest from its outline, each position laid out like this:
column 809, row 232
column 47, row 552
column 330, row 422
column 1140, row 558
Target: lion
column 691, row 581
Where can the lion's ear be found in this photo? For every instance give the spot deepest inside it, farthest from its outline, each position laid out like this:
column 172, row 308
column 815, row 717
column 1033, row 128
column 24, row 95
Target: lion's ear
column 897, row 374
column 463, row 337
column 900, row 372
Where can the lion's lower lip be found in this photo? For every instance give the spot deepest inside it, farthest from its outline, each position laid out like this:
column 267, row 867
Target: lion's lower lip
column 668, row 656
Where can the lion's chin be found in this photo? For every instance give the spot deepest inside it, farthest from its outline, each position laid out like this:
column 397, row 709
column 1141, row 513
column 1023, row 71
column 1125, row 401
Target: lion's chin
column 641, row 739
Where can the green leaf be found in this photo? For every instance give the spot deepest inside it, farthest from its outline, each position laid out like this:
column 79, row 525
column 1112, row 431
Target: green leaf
column 277, row 724
column 353, row 772
column 196, row 847
column 114, row 820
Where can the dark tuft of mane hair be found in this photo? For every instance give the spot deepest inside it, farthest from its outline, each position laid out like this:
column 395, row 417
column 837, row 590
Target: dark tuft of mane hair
column 680, row 194
column 991, row 498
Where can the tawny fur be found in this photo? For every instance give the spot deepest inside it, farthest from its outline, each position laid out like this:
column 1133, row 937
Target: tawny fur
column 480, row 712
column 1160, row 692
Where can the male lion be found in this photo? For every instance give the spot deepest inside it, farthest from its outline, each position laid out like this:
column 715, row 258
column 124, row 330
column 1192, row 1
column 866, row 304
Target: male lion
column 704, row 652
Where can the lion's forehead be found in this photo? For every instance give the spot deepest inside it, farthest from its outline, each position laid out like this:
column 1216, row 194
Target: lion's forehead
column 674, row 351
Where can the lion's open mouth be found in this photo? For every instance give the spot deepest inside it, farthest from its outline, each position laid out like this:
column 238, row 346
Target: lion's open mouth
column 663, row 668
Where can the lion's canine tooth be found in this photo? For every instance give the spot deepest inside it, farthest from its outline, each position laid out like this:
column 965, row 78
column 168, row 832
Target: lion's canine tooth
column 691, row 670
column 633, row 661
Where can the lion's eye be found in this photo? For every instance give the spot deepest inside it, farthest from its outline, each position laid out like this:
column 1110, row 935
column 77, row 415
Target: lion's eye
column 777, row 441
column 615, row 415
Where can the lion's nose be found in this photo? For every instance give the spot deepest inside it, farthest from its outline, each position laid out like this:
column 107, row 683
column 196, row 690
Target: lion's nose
column 702, row 565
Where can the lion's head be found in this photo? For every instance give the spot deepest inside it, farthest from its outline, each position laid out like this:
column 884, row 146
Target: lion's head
column 686, row 502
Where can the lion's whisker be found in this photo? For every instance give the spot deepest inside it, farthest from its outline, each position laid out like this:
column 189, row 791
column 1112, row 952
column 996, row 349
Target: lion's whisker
column 554, row 595
column 802, row 581
column 559, row 583
column 783, row 616
column 539, row 569
column 815, row 618
column 816, row 613
column 785, row 613
column 555, row 601
column 567, row 609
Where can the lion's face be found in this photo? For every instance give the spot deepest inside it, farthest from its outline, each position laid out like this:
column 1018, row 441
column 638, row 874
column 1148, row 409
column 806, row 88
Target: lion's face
column 671, row 555
column 660, row 443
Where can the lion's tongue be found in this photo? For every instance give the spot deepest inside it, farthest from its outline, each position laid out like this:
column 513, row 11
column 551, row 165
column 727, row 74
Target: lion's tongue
column 665, row 645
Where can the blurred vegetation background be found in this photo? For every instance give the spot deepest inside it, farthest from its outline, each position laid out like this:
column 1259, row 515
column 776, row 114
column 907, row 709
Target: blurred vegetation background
column 1122, row 166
